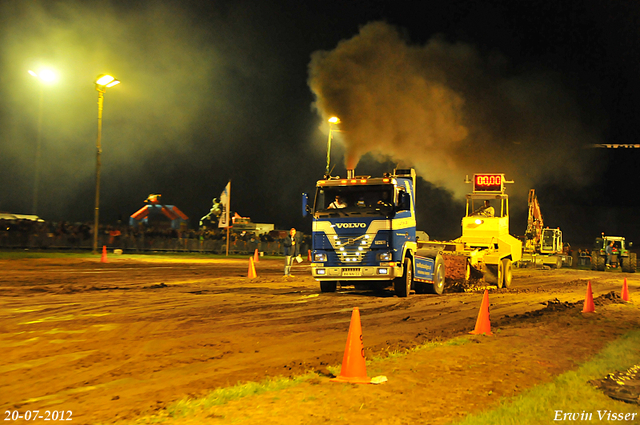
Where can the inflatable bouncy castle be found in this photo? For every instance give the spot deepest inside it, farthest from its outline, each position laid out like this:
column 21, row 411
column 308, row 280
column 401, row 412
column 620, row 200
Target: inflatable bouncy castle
column 154, row 210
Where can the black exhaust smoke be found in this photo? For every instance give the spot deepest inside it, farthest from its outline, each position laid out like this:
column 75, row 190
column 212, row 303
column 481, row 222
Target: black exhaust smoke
column 448, row 111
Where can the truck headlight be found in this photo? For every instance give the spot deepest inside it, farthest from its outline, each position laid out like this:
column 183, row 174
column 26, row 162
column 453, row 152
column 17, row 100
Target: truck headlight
column 385, row 256
column 320, row 257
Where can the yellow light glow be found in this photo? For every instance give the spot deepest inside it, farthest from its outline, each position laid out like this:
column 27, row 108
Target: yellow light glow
column 104, row 79
column 45, row 75
column 113, row 83
column 48, row 76
column 334, row 120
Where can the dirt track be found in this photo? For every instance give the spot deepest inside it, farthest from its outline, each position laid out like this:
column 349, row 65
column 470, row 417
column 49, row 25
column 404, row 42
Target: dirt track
column 115, row 340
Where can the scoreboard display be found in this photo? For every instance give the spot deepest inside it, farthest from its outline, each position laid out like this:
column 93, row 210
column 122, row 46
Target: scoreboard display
column 488, row 183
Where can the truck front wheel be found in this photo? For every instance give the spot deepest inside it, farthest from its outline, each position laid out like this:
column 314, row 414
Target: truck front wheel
column 328, row 286
column 402, row 284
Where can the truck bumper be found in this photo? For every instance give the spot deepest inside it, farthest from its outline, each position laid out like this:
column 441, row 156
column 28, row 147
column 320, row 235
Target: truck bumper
column 386, row 272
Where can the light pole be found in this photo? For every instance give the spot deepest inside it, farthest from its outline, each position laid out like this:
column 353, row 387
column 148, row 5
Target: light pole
column 102, row 82
column 332, row 120
column 45, row 76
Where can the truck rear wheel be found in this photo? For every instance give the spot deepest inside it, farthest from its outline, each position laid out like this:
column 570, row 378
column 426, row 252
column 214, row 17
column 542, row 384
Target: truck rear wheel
column 506, row 271
column 437, row 287
column 493, row 274
column 402, row 284
column 328, row 286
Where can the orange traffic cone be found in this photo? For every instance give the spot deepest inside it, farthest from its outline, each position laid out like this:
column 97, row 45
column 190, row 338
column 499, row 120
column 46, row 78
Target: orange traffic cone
column 483, row 324
column 589, row 307
column 256, row 256
column 309, row 256
column 103, row 259
column 354, row 367
column 252, row 269
column 625, row 291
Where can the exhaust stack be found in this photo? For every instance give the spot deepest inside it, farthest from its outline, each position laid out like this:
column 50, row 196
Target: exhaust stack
column 351, row 174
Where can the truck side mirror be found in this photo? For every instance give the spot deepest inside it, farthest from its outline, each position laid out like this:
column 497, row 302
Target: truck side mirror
column 306, row 209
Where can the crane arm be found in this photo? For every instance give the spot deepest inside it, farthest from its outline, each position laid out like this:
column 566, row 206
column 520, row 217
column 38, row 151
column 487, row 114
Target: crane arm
column 535, row 223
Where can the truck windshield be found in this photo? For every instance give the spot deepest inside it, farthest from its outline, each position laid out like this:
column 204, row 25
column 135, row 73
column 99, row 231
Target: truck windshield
column 490, row 207
column 354, row 200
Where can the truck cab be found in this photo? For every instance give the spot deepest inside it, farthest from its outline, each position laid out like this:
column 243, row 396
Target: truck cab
column 364, row 232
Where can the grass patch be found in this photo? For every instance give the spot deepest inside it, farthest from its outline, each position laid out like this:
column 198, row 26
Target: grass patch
column 372, row 362
column 16, row 255
column 569, row 392
column 192, row 406
column 461, row 340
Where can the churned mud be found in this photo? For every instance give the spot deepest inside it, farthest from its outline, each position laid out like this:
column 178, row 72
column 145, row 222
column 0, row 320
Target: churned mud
column 116, row 340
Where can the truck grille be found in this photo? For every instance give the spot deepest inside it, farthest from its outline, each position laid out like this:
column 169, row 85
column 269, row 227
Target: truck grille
column 352, row 271
column 348, row 248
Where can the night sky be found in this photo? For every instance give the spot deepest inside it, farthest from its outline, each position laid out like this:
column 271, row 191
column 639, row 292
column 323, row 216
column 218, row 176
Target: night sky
column 214, row 91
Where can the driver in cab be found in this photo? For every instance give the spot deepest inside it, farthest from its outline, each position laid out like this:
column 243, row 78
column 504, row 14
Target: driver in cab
column 385, row 201
column 485, row 210
column 337, row 203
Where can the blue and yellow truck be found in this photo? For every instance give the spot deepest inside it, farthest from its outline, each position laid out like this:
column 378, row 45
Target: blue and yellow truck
column 364, row 234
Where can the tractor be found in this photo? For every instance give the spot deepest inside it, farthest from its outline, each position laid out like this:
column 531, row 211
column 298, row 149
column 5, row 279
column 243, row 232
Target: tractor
column 621, row 256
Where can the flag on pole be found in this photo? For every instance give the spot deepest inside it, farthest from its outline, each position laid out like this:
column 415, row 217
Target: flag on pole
column 225, row 204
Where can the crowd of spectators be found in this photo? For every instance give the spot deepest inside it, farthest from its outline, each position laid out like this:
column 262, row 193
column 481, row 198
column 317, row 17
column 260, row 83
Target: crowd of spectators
column 27, row 234
column 584, row 257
